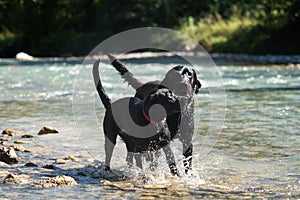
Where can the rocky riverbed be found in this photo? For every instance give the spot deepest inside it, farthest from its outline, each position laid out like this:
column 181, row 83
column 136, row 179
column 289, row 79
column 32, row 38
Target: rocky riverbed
column 13, row 171
column 70, row 171
column 16, row 146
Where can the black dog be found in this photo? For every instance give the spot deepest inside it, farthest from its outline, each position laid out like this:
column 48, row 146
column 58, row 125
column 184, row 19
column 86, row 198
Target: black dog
column 175, row 80
column 140, row 123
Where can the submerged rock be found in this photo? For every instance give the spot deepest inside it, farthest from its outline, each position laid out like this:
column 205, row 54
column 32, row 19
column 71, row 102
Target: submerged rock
column 15, row 179
column 8, row 155
column 3, row 139
column 110, row 175
column 56, row 182
column 27, row 136
column 30, row 164
column 118, row 185
column 20, row 142
column 48, row 166
column 11, row 132
column 47, row 130
column 27, row 151
column 66, row 160
column 18, row 147
column 156, row 186
column 81, row 173
column 3, row 164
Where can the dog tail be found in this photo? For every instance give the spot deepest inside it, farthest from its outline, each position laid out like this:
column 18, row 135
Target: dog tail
column 124, row 72
column 103, row 96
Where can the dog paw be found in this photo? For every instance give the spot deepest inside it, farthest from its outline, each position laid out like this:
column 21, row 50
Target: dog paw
column 142, row 176
column 107, row 168
column 188, row 170
column 175, row 172
column 153, row 166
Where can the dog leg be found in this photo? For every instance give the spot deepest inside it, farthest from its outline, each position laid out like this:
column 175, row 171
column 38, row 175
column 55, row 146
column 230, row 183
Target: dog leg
column 171, row 160
column 129, row 159
column 138, row 160
column 187, row 153
column 186, row 139
column 109, row 148
column 154, row 162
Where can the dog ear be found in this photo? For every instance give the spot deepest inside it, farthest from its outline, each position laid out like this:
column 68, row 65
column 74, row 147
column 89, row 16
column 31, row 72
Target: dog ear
column 197, row 84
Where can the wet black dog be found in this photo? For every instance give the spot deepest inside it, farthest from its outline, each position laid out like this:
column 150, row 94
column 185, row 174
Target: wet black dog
column 182, row 81
column 141, row 123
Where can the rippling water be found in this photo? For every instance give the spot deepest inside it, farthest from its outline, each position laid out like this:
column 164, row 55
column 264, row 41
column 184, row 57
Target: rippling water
column 256, row 155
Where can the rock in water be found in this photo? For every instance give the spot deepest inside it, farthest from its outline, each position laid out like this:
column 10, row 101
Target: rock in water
column 56, row 181
column 27, row 136
column 23, row 56
column 30, row 164
column 47, row 130
column 20, row 142
column 49, row 166
column 17, row 147
column 66, row 160
column 15, row 179
column 11, row 132
column 8, row 155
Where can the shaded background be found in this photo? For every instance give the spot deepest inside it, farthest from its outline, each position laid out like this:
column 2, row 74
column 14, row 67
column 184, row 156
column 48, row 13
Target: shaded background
column 74, row 27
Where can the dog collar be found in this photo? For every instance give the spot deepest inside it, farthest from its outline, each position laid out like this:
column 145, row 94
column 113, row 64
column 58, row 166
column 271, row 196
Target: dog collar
column 154, row 123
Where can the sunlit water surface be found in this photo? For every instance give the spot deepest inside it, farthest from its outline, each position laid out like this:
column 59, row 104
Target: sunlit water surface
column 256, row 155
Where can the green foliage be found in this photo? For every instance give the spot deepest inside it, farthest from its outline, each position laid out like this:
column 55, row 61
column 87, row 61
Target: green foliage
column 7, row 41
column 58, row 27
column 213, row 33
column 255, row 27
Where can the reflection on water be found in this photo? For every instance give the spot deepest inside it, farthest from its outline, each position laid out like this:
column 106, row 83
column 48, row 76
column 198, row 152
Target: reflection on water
column 257, row 154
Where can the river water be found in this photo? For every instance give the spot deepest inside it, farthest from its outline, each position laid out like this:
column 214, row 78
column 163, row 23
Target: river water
column 257, row 154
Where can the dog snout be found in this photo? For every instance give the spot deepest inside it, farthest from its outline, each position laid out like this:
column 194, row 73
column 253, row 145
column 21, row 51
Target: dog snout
column 187, row 72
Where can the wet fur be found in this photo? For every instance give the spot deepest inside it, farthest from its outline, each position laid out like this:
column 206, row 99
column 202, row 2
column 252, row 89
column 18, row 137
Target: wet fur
column 179, row 87
column 137, row 145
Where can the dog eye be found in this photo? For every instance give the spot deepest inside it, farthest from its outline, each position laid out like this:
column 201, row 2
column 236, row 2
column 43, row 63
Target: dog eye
column 189, row 73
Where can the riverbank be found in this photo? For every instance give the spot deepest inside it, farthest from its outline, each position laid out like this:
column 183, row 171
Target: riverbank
column 218, row 58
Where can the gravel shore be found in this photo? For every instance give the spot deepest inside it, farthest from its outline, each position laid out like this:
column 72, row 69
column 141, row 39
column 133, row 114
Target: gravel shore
column 218, row 58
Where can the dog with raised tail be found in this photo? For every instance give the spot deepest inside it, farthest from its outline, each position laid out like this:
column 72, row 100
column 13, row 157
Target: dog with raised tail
column 141, row 123
column 182, row 81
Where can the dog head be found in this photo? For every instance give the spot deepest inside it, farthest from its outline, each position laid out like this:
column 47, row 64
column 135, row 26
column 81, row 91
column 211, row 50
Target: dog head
column 161, row 104
column 182, row 81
